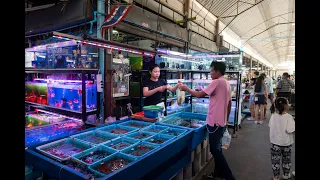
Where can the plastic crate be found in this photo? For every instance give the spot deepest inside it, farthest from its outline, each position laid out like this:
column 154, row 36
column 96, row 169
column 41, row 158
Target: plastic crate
column 152, row 111
column 199, row 133
column 136, row 124
column 76, row 147
column 94, row 137
column 154, row 128
column 173, row 120
column 140, row 149
column 121, row 143
column 173, row 131
column 117, row 129
column 90, row 156
column 106, row 162
column 160, row 139
column 79, row 167
column 140, row 135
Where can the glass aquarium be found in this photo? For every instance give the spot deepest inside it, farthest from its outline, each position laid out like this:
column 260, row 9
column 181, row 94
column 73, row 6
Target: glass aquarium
column 67, row 54
column 121, row 80
column 36, row 92
column 40, row 118
column 61, row 91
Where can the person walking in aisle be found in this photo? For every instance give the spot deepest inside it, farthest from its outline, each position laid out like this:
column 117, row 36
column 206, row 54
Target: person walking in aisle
column 260, row 99
column 269, row 84
column 251, row 103
column 219, row 91
column 282, row 127
column 284, row 86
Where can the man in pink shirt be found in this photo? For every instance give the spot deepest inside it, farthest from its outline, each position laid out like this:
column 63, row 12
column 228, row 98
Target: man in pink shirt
column 219, row 91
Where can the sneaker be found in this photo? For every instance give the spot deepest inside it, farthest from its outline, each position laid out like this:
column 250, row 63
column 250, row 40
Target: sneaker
column 250, row 119
column 256, row 122
column 260, row 122
column 286, row 177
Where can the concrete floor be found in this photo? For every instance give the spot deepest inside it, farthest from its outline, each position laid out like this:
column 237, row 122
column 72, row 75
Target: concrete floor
column 249, row 153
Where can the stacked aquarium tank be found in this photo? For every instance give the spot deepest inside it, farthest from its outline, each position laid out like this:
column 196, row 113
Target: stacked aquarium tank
column 67, row 94
column 36, row 92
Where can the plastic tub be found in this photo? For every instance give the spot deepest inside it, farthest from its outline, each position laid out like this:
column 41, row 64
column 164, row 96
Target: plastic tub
column 36, row 175
column 112, row 164
column 63, row 149
column 121, row 143
column 199, row 133
column 140, row 149
column 78, row 166
column 136, row 124
column 94, row 137
column 94, row 154
column 140, row 135
column 173, row 131
column 28, row 169
column 117, row 129
column 160, row 139
column 154, row 128
column 152, row 111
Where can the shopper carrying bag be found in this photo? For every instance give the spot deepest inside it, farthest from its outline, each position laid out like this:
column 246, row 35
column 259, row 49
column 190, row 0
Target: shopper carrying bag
column 282, row 127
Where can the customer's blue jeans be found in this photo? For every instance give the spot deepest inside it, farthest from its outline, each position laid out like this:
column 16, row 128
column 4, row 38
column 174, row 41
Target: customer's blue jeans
column 221, row 168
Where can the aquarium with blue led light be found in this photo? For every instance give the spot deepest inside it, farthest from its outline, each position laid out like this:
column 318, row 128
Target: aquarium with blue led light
column 62, row 91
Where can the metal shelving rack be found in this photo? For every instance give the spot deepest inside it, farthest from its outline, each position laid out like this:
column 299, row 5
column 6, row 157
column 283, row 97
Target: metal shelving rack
column 235, row 125
column 84, row 72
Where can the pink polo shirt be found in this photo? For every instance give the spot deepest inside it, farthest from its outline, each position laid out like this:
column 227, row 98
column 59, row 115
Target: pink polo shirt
column 219, row 91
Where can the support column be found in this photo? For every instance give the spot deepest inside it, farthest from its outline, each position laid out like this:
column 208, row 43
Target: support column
column 185, row 25
column 108, row 94
column 250, row 67
column 217, row 36
column 100, row 18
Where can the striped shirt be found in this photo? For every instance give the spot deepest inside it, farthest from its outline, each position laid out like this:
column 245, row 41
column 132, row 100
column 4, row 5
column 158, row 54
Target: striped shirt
column 285, row 85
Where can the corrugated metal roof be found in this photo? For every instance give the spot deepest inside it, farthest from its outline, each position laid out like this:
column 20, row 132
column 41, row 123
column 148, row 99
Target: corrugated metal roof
column 266, row 25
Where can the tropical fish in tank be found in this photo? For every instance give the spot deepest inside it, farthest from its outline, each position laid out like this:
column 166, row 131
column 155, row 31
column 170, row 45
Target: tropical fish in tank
column 36, row 92
column 68, row 95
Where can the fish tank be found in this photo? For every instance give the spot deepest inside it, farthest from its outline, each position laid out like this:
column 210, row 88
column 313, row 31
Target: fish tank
column 54, row 131
column 121, row 77
column 68, row 95
column 36, row 92
column 62, row 91
column 66, row 54
column 41, row 118
column 172, row 63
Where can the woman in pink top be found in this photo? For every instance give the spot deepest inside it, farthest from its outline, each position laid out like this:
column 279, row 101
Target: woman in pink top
column 219, row 91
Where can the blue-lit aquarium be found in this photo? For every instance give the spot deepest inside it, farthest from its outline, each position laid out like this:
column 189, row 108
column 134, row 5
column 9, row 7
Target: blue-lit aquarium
column 68, row 95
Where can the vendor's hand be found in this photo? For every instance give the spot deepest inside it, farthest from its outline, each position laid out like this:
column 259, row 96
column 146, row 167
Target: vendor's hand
column 183, row 87
column 162, row 88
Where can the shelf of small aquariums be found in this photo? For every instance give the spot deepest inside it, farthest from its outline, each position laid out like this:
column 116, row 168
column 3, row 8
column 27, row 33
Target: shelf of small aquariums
column 62, row 70
column 58, row 109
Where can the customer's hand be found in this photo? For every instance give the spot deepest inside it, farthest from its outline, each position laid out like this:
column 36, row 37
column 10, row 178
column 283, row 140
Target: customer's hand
column 183, row 88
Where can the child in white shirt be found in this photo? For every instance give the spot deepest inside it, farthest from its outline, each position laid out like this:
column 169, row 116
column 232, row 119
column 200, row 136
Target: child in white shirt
column 282, row 127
